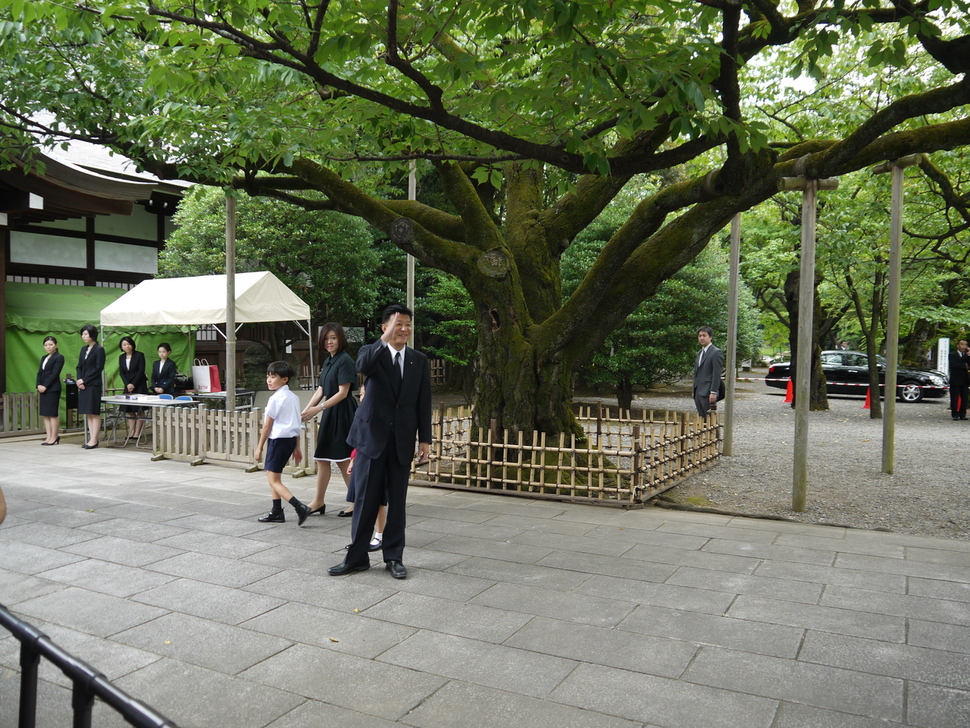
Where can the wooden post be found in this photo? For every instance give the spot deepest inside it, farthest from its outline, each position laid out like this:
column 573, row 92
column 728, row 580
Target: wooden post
column 896, row 166
column 732, row 336
column 806, row 300
column 230, row 303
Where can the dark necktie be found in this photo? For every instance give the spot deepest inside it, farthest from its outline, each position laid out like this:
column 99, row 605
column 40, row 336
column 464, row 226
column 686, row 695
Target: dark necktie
column 397, row 366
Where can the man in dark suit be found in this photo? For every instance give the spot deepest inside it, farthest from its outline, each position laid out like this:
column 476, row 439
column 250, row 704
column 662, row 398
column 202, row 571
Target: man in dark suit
column 959, row 380
column 707, row 372
column 396, row 407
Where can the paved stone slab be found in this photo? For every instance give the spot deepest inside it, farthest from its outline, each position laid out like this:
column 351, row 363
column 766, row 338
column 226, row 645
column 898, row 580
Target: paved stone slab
column 46, row 535
column 568, row 607
column 796, row 715
column 366, row 686
column 18, row 588
column 314, row 714
column 474, row 706
column 194, row 697
column 842, row 545
column 771, row 552
column 122, row 551
column 202, row 642
column 25, row 558
column 503, row 550
column 345, row 594
column 602, row 646
column 932, row 706
column 775, row 588
column 955, row 638
column 697, row 559
column 662, row 701
column 133, row 530
column 827, row 619
column 213, row 569
column 455, row 618
column 626, row 568
column 103, row 576
column 88, row 611
column 937, row 589
column 516, row 573
column 355, row 634
column 209, row 601
column 900, row 605
column 481, row 663
column 704, row 601
column 796, row 681
column 941, row 667
column 739, row 634
column 832, row 575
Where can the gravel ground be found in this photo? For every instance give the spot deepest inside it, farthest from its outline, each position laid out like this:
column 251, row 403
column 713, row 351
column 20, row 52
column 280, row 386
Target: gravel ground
column 927, row 494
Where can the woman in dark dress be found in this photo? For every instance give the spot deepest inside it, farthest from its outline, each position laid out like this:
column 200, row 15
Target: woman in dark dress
column 338, row 378
column 90, row 368
column 49, row 386
column 164, row 371
column 131, row 367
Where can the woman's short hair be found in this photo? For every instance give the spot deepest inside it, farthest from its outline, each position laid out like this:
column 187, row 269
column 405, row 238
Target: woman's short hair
column 338, row 330
column 282, row 369
column 92, row 331
column 129, row 340
column 166, row 346
column 50, row 338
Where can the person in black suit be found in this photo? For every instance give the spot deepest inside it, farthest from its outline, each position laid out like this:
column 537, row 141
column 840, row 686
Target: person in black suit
column 49, row 386
column 397, row 406
column 707, row 372
column 959, row 380
column 131, row 367
column 90, row 368
column 164, row 371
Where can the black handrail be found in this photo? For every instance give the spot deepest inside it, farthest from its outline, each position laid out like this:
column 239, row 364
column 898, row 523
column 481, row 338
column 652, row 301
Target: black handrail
column 88, row 683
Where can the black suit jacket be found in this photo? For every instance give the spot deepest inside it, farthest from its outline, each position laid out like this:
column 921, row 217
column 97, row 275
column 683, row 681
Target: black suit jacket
column 390, row 410
column 90, row 368
column 50, row 376
column 164, row 377
column 958, row 369
column 134, row 374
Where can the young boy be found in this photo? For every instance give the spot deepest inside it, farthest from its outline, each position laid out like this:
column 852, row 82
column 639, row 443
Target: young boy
column 281, row 426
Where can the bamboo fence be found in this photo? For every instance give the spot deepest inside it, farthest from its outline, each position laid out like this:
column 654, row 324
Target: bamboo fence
column 624, row 459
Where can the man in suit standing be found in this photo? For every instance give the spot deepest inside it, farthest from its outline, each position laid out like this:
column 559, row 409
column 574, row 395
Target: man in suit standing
column 707, row 372
column 397, row 406
column 959, row 380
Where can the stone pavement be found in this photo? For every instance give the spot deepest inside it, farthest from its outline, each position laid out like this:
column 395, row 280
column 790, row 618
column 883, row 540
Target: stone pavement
column 515, row 613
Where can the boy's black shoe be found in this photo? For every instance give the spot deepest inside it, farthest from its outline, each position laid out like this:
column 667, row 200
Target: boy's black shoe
column 302, row 512
column 273, row 517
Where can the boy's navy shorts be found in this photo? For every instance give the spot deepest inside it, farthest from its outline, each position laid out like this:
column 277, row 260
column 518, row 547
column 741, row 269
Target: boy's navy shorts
column 278, row 453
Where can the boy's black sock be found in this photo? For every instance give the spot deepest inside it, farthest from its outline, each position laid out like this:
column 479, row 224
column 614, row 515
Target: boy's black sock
column 294, row 501
column 277, row 504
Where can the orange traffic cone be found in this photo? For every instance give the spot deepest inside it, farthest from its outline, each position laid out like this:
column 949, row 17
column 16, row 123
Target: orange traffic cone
column 789, row 393
column 868, row 403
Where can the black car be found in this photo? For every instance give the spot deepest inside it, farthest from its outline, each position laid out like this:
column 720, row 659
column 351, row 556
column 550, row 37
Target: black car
column 847, row 372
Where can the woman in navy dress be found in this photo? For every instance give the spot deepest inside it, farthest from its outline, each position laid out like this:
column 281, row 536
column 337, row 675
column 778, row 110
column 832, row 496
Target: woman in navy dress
column 131, row 367
column 49, row 386
column 334, row 399
column 90, row 368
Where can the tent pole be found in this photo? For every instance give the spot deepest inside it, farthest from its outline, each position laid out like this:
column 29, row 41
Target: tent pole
column 230, row 303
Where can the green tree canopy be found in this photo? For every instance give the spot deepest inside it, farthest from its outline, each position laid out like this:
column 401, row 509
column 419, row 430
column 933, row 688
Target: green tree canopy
column 534, row 115
column 326, row 258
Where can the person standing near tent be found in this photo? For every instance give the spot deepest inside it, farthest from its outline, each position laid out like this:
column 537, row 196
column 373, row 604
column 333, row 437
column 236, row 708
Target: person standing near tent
column 164, row 371
column 49, row 386
column 131, row 367
column 90, row 368
column 334, row 399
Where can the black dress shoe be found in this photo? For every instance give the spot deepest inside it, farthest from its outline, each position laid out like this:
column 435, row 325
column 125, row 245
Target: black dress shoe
column 397, row 569
column 301, row 513
column 321, row 510
column 273, row 517
column 344, row 568
column 345, row 514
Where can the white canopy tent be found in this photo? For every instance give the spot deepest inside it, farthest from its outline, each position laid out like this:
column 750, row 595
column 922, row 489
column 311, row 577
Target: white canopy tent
column 260, row 297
